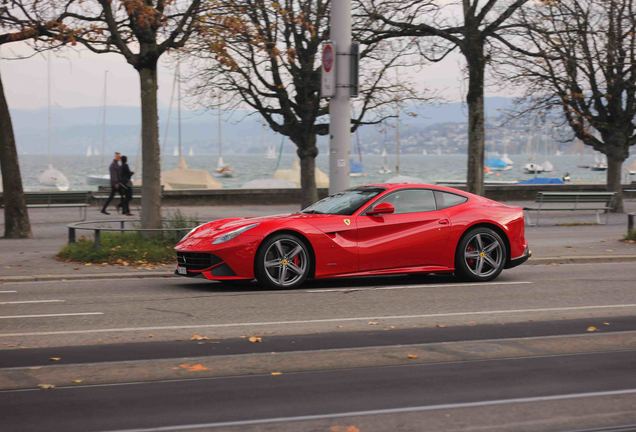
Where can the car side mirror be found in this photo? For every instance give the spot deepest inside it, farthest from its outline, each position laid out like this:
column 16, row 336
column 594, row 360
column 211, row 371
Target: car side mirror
column 381, row 209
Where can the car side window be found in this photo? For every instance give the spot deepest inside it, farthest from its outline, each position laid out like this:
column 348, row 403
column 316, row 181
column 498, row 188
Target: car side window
column 411, row 200
column 446, row 199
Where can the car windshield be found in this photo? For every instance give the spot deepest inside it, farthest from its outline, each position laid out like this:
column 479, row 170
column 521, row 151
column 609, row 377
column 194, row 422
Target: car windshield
column 343, row 203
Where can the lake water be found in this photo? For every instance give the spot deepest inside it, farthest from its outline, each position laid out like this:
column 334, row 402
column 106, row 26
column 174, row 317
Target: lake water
column 430, row 168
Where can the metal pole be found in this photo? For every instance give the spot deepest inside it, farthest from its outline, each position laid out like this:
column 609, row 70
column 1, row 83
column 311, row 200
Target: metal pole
column 97, row 243
column 340, row 105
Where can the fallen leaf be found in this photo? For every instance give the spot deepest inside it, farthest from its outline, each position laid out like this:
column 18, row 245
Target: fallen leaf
column 338, row 428
column 196, row 367
column 55, row 358
column 412, row 356
column 592, row 329
column 606, row 323
column 197, row 337
column 255, row 339
column 77, row 381
column 46, row 386
column 373, row 323
column 276, row 373
column 441, row 325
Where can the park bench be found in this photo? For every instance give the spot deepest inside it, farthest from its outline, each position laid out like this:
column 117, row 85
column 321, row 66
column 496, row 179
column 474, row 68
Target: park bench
column 601, row 202
column 57, row 200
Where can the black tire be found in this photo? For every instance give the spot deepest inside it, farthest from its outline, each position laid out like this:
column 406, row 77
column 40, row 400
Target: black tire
column 287, row 271
column 488, row 260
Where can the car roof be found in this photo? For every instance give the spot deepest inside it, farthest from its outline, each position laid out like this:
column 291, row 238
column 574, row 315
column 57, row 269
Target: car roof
column 397, row 186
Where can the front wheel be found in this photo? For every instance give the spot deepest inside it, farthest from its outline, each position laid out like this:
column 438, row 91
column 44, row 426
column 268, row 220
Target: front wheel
column 480, row 255
column 283, row 261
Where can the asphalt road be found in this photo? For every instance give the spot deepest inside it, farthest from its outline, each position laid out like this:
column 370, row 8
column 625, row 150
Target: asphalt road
column 290, row 399
column 520, row 370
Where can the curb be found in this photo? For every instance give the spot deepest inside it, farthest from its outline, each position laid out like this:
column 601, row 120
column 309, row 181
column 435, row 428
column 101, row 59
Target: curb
column 162, row 274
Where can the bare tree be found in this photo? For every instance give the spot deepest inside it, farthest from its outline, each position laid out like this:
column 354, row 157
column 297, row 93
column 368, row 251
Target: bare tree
column 20, row 20
column 141, row 31
column 265, row 55
column 473, row 27
column 585, row 67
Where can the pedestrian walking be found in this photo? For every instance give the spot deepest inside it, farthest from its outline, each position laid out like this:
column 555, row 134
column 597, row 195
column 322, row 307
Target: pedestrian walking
column 114, row 171
column 126, row 187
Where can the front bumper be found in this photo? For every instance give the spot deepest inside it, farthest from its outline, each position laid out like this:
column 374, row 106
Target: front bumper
column 231, row 261
column 527, row 253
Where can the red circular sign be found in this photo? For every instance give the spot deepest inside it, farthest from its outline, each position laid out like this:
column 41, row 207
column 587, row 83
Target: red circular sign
column 327, row 57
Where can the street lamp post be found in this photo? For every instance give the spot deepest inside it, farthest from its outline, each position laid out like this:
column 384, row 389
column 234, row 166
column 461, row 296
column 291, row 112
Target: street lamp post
column 340, row 105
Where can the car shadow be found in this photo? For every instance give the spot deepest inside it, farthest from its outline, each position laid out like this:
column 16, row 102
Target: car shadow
column 203, row 285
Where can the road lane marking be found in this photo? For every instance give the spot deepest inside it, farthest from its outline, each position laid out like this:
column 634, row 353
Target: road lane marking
column 314, row 321
column 421, row 408
column 31, row 301
column 51, row 315
column 382, row 288
column 8, row 292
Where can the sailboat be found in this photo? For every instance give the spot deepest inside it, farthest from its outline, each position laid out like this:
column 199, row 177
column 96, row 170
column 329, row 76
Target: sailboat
column 507, row 159
column 293, row 175
column 271, row 153
column 183, row 177
column 496, row 163
column 356, row 168
column 175, row 151
column 600, row 164
column 532, row 167
column 101, row 179
column 191, row 152
column 89, row 151
column 51, row 177
column 547, row 166
column 385, row 164
column 222, row 169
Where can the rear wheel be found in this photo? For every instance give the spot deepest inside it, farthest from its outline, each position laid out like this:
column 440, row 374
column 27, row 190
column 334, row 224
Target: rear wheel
column 480, row 255
column 283, row 261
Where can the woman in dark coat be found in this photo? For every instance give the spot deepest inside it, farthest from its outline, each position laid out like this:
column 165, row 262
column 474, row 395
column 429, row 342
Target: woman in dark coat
column 125, row 185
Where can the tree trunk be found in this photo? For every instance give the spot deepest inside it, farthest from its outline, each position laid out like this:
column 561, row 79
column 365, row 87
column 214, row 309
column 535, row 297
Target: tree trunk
column 475, row 100
column 151, row 160
column 307, row 152
column 614, row 174
column 16, row 217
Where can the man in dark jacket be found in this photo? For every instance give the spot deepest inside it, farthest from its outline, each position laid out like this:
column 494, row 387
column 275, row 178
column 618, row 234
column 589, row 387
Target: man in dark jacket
column 115, row 174
column 125, row 186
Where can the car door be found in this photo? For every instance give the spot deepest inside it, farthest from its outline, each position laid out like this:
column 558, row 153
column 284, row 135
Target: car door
column 414, row 236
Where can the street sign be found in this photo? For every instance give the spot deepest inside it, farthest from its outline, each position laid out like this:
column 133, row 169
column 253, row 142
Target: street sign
column 328, row 70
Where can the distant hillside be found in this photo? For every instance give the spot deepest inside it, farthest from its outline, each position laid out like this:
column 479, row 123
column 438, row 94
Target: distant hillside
column 74, row 129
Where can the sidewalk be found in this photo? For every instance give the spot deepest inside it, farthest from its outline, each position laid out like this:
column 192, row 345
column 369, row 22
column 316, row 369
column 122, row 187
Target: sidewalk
column 563, row 237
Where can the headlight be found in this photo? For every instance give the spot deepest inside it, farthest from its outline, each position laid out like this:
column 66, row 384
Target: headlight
column 229, row 236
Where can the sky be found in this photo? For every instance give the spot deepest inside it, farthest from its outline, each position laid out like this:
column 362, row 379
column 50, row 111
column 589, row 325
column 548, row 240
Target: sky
column 77, row 79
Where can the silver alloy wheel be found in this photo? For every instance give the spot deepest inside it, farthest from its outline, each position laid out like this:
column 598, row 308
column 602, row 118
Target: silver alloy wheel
column 483, row 255
column 286, row 262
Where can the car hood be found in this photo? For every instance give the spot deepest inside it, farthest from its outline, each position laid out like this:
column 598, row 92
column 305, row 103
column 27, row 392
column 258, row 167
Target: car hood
column 222, row 225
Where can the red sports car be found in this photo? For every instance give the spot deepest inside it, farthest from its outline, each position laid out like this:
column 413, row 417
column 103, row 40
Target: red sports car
column 378, row 229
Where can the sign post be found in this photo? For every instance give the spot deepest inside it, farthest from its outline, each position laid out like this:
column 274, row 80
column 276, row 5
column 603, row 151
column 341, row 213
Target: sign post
column 328, row 71
column 339, row 104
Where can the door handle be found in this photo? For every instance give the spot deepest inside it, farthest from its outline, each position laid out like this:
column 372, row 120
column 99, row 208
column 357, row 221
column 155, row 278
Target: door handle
column 443, row 221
